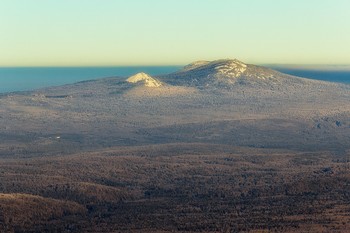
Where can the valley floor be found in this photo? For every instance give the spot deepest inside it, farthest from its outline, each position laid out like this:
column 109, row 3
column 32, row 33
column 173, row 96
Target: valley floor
column 177, row 187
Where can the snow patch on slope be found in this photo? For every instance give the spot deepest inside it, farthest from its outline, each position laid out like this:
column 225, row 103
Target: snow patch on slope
column 231, row 68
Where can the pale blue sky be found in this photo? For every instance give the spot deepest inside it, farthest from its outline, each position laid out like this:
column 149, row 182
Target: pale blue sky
column 165, row 32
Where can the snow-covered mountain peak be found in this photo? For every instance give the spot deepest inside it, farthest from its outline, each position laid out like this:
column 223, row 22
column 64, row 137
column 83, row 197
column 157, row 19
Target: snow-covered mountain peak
column 146, row 79
column 226, row 73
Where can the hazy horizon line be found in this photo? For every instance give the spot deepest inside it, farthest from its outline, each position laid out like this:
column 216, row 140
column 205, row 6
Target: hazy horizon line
column 279, row 65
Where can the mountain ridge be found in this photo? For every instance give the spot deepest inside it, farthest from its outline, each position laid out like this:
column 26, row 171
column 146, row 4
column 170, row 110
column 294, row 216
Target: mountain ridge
column 228, row 73
column 224, row 76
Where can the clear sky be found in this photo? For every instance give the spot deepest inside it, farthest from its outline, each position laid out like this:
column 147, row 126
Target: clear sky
column 166, row 32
